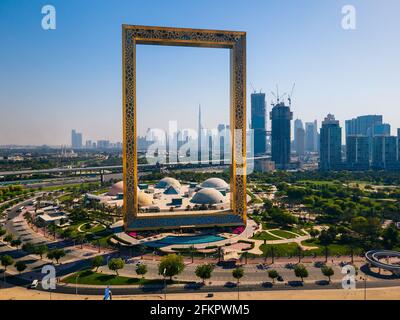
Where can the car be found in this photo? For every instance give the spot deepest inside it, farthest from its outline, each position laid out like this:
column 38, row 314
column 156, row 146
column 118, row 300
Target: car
column 280, row 278
column 34, row 284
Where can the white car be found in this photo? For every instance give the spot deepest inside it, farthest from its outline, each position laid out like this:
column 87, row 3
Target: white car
column 34, row 284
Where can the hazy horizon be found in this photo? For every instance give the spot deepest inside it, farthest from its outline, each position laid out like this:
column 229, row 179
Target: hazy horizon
column 71, row 78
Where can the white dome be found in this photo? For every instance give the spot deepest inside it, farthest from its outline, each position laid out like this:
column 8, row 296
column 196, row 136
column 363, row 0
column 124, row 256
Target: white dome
column 167, row 182
column 116, row 188
column 143, row 198
column 208, row 196
column 215, row 183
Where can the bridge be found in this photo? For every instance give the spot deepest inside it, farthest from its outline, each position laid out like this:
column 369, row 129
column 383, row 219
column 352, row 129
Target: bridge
column 375, row 257
column 144, row 167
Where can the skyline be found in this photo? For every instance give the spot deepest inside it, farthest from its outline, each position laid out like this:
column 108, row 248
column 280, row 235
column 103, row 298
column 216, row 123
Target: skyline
column 71, row 77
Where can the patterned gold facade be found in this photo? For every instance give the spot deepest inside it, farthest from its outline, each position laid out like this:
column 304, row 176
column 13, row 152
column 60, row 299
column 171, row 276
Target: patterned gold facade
column 236, row 43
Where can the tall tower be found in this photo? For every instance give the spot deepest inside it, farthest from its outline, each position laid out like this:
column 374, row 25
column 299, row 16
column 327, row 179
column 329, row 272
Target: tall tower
column 299, row 137
column 280, row 140
column 331, row 144
column 199, row 137
column 258, row 123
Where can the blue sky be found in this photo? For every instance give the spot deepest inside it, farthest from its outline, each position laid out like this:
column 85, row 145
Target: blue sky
column 53, row 81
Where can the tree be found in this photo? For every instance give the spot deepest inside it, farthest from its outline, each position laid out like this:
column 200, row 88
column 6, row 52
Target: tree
column 41, row 250
column 97, row 262
column 116, row 264
column 2, row 232
column 314, row 233
column 391, row 237
column 20, row 266
column 6, row 261
column 238, row 273
column 171, row 265
column 327, row 272
column 204, row 271
column 80, row 238
column 326, row 238
column 273, row 274
column 28, row 247
column 141, row 270
column 267, row 204
column 300, row 271
column 282, row 217
column 56, row 254
column 8, row 238
column 16, row 243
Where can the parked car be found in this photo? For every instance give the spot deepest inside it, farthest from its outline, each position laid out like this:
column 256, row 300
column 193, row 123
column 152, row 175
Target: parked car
column 34, row 284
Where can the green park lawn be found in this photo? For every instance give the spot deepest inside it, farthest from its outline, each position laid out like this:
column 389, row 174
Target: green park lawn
column 264, row 236
column 90, row 277
column 283, row 234
column 333, row 249
column 280, row 250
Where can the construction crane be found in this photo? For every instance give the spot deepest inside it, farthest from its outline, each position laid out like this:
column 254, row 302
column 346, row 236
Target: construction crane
column 277, row 96
column 291, row 94
column 254, row 90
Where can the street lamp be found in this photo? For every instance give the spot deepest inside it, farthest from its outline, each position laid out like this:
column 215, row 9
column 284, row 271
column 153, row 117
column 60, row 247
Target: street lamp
column 76, row 283
column 364, row 278
column 165, row 284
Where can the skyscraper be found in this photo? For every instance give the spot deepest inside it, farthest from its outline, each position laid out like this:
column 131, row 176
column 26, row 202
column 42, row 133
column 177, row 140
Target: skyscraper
column 199, row 132
column 299, row 137
column 330, row 144
column 280, row 140
column 362, row 125
column 398, row 145
column 381, row 129
column 258, row 123
column 357, row 152
column 311, row 136
column 76, row 140
column 390, row 151
column 221, row 134
column 384, row 155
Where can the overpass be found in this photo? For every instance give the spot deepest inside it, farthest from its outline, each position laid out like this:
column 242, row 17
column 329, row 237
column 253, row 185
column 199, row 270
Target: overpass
column 100, row 170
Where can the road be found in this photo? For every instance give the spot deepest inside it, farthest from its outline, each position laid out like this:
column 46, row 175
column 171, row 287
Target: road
column 255, row 279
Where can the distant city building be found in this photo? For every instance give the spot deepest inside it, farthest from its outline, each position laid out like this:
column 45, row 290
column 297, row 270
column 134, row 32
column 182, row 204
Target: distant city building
column 357, row 152
column 384, row 154
column 103, row 144
column 398, row 145
column 89, row 144
column 76, row 140
column 259, row 123
column 199, row 133
column 221, row 133
column 311, row 136
column 363, row 125
column 299, row 137
column 280, row 140
column 331, row 144
column 382, row 129
column 264, row 165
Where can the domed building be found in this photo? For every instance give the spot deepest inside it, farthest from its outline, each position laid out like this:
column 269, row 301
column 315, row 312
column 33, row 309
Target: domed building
column 215, row 183
column 167, row 182
column 143, row 198
column 208, row 196
column 116, row 188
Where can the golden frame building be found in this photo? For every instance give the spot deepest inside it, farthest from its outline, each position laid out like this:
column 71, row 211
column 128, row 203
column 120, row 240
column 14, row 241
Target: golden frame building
column 236, row 43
